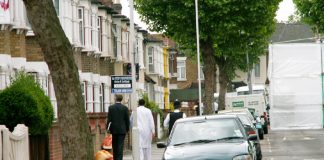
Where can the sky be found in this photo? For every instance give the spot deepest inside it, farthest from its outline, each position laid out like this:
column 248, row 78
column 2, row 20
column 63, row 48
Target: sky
column 286, row 8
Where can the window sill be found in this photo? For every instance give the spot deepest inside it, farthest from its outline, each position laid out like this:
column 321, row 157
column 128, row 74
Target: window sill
column 181, row 80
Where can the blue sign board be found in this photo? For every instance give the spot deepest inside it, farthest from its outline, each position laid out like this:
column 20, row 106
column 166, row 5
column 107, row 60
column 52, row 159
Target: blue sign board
column 121, row 84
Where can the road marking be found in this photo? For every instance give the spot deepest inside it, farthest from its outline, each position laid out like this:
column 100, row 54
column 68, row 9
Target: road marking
column 270, row 150
column 284, row 138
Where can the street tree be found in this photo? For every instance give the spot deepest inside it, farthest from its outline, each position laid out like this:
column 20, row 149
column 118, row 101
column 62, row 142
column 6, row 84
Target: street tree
column 311, row 12
column 229, row 30
column 58, row 53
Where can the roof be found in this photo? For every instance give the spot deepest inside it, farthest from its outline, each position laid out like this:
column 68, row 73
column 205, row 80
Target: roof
column 197, row 118
column 234, row 110
column 189, row 94
column 151, row 38
column 292, row 33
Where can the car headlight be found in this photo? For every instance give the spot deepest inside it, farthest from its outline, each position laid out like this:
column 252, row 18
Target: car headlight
column 242, row 157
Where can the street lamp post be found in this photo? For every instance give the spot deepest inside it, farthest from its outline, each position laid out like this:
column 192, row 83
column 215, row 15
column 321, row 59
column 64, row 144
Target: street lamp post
column 198, row 57
column 135, row 132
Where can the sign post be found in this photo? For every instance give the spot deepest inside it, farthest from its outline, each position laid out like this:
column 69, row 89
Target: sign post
column 121, row 84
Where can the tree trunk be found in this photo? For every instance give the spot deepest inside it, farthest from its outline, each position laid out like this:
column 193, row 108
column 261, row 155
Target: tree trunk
column 210, row 75
column 223, row 82
column 58, row 54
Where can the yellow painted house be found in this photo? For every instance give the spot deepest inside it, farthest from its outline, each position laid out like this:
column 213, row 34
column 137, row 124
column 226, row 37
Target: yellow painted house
column 166, row 74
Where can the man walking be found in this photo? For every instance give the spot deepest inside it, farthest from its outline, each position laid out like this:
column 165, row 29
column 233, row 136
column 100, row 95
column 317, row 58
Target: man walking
column 118, row 125
column 172, row 117
column 145, row 124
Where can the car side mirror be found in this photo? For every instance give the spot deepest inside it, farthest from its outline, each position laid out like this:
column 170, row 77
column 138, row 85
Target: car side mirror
column 253, row 137
column 160, row 144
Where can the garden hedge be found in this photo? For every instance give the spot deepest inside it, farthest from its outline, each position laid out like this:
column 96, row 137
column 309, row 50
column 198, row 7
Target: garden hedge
column 25, row 102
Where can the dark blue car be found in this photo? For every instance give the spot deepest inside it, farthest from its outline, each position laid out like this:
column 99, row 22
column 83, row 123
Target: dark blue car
column 216, row 137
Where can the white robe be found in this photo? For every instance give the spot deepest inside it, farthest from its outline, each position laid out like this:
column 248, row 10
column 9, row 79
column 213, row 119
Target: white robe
column 145, row 124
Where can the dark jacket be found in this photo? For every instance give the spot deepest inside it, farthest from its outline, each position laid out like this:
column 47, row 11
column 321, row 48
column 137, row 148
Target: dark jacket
column 118, row 117
column 174, row 116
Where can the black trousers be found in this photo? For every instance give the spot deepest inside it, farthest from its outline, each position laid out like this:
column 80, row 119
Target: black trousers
column 118, row 146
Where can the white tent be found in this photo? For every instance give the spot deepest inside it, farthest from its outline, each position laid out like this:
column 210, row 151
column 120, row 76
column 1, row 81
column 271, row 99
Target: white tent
column 296, row 86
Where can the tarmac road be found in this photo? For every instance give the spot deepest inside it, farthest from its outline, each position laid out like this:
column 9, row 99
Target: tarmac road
column 293, row 145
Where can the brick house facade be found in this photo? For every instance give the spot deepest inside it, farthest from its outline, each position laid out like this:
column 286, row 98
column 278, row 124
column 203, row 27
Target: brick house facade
column 99, row 36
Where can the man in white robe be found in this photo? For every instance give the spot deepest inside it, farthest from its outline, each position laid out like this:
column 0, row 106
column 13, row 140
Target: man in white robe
column 146, row 129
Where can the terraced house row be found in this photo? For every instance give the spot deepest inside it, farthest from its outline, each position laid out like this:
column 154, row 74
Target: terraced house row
column 99, row 34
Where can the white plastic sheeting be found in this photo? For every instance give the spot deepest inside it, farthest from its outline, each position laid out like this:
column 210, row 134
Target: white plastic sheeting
column 295, row 86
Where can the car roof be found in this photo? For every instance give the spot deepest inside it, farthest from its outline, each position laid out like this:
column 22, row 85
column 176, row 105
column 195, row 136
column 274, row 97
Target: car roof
column 254, row 87
column 205, row 117
column 234, row 110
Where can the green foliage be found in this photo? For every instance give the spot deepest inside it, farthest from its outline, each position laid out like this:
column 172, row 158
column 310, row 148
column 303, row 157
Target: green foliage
column 311, row 12
column 234, row 27
column 153, row 107
column 25, row 102
column 228, row 29
column 294, row 18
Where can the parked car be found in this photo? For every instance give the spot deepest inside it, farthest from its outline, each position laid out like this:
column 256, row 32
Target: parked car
column 217, row 137
column 249, row 112
column 251, row 129
column 261, row 105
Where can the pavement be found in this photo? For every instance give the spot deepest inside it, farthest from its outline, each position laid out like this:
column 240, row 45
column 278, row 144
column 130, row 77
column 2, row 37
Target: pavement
column 156, row 153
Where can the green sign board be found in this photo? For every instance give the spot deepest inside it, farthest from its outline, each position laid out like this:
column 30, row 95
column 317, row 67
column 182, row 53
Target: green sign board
column 238, row 104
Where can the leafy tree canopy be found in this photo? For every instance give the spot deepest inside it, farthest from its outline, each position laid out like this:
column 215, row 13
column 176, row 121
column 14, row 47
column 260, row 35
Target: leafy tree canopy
column 235, row 26
column 229, row 29
column 311, row 11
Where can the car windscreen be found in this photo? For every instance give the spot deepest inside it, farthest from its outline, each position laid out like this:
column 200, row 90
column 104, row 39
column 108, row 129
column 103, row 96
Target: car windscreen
column 205, row 131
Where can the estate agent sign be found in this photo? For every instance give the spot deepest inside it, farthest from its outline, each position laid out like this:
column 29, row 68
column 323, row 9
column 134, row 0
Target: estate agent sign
column 121, row 84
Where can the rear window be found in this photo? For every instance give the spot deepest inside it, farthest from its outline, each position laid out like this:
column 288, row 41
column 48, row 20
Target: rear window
column 244, row 119
column 205, row 130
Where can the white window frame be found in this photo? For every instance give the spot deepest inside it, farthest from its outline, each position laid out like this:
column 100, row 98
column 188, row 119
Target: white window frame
column 172, row 56
column 182, row 60
column 102, row 97
column 84, row 93
column 127, row 45
column 136, row 53
column 99, row 27
column 92, row 32
column 81, row 25
column 150, row 55
column 114, row 39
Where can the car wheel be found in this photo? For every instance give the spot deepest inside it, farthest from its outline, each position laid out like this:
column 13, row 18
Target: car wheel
column 265, row 129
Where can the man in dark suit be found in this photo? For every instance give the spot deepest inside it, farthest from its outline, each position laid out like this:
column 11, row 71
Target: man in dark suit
column 118, row 125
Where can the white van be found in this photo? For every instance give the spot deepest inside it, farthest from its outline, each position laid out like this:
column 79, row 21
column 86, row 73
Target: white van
column 256, row 104
column 256, row 89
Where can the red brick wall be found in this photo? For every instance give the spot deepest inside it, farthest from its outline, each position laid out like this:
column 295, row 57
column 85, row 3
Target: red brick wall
column 17, row 44
column 97, row 123
column 4, row 42
column 55, row 143
column 33, row 50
